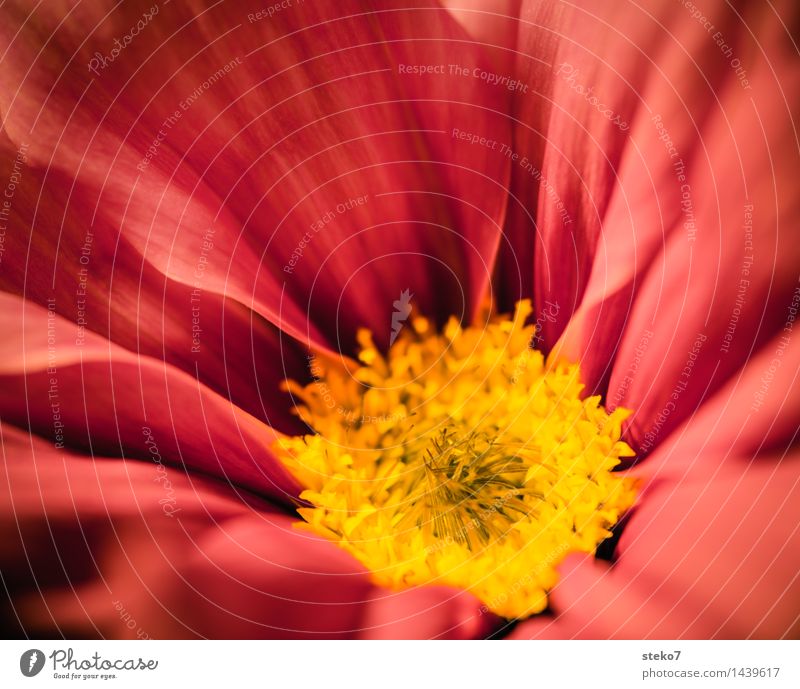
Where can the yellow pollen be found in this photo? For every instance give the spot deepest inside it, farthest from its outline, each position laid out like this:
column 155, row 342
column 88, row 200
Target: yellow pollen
column 460, row 458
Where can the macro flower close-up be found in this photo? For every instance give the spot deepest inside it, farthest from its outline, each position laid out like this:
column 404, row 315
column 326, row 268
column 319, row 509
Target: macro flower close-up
column 400, row 320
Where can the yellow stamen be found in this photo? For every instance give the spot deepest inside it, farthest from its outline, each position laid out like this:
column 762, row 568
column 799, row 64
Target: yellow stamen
column 460, row 459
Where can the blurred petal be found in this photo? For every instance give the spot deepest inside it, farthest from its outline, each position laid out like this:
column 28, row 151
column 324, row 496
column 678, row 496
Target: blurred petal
column 127, row 549
column 101, row 543
column 699, row 559
column 432, row 612
column 713, row 547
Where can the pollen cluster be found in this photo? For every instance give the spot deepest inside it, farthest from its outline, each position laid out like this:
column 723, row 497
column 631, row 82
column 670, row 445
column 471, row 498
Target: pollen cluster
column 459, row 458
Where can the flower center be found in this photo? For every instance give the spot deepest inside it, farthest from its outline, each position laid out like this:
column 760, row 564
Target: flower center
column 460, row 459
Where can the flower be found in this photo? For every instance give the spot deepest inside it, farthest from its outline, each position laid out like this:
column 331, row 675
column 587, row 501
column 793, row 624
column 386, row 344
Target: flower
column 197, row 199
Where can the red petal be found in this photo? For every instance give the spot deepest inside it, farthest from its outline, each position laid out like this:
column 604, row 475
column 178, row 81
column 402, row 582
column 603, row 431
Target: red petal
column 432, row 612
column 699, row 559
column 106, row 548
column 732, row 137
column 586, row 65
column 101, row 282
column 661, row 72
column 332, row 120
column 754, row 413
column 103, row 398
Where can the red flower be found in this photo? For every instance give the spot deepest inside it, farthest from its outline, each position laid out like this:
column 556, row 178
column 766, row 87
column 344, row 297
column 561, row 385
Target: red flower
column 196, row 196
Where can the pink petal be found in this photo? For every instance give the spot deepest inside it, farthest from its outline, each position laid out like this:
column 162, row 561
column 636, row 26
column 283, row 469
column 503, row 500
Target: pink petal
column 100, row 282
column 711, row 550
column 109, row 541
column 431, row 612
column 569, row 154
column 699, row 559
column 104, row 399
column 106, row 548
column 651, row 67
column 332, row 120
column 733, row 141
column 754, row 412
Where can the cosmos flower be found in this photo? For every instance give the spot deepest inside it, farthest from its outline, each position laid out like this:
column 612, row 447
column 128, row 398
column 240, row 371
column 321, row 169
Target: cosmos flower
column 399, row 320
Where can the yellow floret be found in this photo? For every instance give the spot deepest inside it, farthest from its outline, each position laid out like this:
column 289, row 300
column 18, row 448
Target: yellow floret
column 460, row 459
